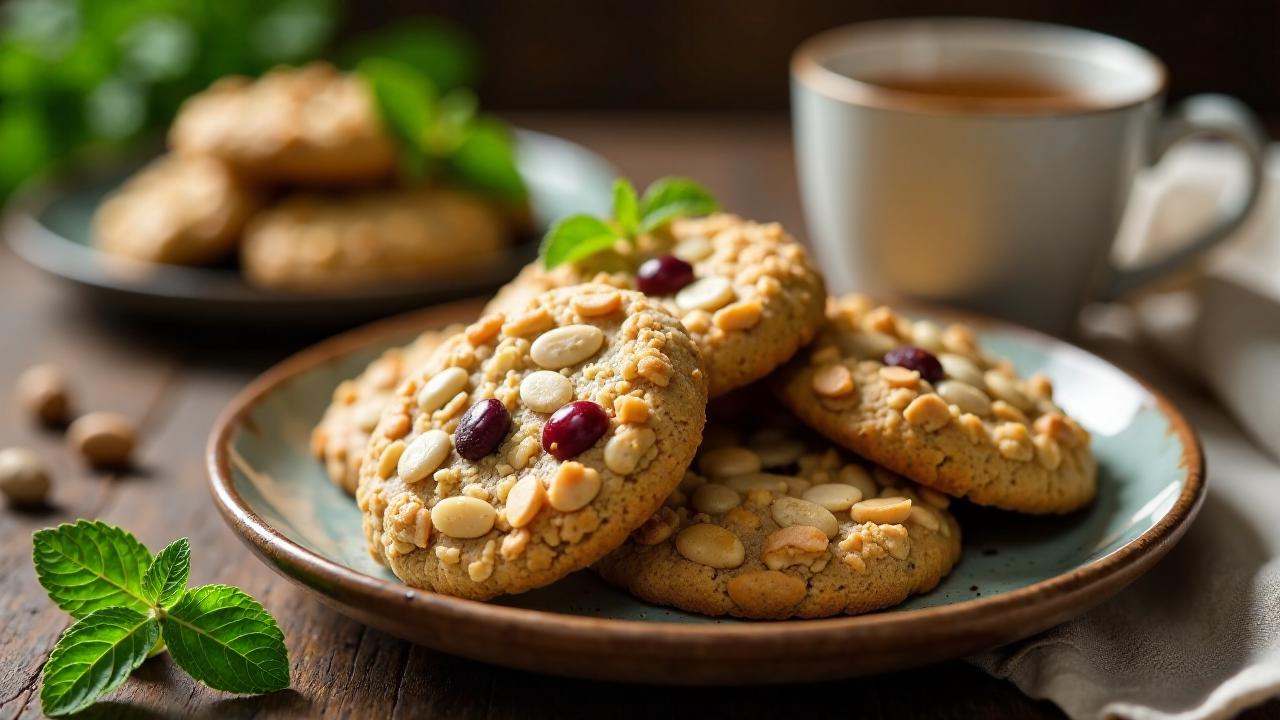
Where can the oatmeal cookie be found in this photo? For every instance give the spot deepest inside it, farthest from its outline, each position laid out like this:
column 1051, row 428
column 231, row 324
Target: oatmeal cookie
column 929, row 403
column 312, row 125
column 343, row 433
column 322, row 243
column 532, row 443
column 746, row 291
column 770, row 524
column 176, row 210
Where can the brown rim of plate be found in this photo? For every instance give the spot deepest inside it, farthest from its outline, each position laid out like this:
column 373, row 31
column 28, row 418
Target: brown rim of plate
column 807, row 69
column 1055, row 598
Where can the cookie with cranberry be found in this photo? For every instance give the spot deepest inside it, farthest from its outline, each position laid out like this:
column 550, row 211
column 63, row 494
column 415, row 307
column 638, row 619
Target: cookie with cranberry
column 324, row 243
column 771, row 524
column 533, row 442
column 928, row 402
column 342, row 435
column 747, row 292
column 312, row 125
column 177, row 210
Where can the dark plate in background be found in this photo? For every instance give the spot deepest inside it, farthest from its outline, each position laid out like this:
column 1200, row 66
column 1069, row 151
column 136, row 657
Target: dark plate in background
column 49, row 224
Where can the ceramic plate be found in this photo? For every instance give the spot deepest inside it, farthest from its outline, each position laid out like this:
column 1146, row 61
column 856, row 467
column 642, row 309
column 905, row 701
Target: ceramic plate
column 49, row 225
column 1018, row 575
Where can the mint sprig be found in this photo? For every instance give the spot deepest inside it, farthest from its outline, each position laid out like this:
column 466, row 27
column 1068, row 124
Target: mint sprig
column 130, row 606
column 580, row 236
column 442, row 136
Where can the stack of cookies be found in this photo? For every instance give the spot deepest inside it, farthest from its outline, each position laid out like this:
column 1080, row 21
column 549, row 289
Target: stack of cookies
column 297, row 173
column 694, row 418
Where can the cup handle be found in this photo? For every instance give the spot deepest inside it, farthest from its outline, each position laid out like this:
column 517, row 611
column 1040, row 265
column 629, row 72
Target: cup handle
column 1201, row 115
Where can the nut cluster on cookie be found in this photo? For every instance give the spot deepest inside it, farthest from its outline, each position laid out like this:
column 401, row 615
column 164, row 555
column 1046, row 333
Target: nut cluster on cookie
column 930, row 403
column 773, row 523
column 532, row 443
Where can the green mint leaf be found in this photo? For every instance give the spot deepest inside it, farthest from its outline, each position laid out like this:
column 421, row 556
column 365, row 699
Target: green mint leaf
column 94, row 656
column 165, row 580
column 458, row 110
column 625, row 207
column 226, row 640
column 91, row 565
column 673, row 197
column 485, row 160
column 406, row 102
column 575, row 237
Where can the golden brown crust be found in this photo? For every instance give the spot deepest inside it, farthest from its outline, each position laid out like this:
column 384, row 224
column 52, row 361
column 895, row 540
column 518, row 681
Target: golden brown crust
column 774, row 308
column 176, row 210
column 1010, row 446
column 312, row 125
column 505, row 536
column 321, row 243
column 791, row 570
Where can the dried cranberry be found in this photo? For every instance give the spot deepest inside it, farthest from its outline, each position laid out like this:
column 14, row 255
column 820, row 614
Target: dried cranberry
column 918, row 359
column 663, row 275
column 574, row 428
column 481, row 429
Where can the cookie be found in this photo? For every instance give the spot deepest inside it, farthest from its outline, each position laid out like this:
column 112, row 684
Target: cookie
column 323, row 243
column 343, row 433
column 176, row 210
column 747, row 292
column 929, row 403
column 775, row 523
column 313, row 125
column 532, row 443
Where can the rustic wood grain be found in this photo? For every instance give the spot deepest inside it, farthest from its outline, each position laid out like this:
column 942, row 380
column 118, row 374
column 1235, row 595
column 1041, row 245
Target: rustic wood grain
column 174, row 381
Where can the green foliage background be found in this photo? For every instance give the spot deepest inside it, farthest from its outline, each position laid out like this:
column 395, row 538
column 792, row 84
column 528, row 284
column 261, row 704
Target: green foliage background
column 77, row 73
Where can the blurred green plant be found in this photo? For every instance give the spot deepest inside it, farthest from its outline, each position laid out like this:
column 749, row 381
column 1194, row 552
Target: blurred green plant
column 440, row 133
column 77, row 73
column 81, row 72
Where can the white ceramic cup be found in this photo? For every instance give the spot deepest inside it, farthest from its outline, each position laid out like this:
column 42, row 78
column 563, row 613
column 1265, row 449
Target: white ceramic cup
column 1006, row 206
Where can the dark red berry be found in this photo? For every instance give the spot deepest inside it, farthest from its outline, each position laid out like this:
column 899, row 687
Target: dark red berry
column 574, row 428
column 663, row 275
column 918, row 359
column 481, row 429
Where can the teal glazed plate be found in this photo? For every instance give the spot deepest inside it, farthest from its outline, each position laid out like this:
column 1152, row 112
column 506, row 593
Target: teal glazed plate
column 1018, row 575
column 49, row 224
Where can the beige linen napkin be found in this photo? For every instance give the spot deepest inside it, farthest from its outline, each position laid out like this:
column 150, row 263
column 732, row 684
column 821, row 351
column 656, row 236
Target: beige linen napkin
column 1198, row 636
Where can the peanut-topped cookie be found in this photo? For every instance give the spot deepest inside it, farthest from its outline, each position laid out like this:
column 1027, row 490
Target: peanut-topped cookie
column 771, row 525
column 532, row 443
column 746, row 291
column 929, row 403
column 343, row 433
column 313, row 125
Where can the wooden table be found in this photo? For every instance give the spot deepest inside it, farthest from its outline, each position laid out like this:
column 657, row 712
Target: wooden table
column 174, row 380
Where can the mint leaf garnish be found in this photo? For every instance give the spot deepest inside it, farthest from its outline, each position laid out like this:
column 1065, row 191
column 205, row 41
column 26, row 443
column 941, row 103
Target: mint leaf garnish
column 625, row 208
column 165, row 580
column 673, row 197
column 129, row 606
column 485, row 161
column 575, row 237
column 443, row 137
column 91, row 565
column 579, row 236
column 94, row 656
column 406, row 102
column 226, row 640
